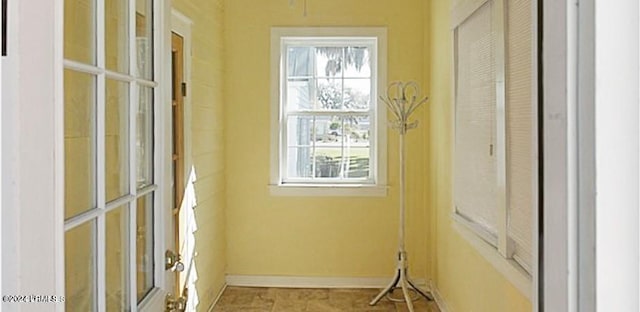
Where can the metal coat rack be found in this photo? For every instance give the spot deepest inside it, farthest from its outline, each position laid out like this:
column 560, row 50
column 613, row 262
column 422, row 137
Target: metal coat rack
column 402, row 100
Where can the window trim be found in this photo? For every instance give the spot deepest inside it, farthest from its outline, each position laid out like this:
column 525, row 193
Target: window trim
column 378, row 186
column 498, row 250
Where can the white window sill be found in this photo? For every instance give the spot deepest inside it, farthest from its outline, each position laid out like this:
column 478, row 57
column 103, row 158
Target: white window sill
column 335, row 190
column 509, row 268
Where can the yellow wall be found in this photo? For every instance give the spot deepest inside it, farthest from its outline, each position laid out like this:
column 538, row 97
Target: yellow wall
column 465, row 279
column 207, row 130
column 312, row 236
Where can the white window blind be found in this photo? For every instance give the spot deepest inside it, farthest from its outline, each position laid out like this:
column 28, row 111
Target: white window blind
column 494, row 124
column 475, row 118
column 519, row 129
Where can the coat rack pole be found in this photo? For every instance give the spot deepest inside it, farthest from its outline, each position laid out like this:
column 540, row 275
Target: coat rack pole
column 402, row 100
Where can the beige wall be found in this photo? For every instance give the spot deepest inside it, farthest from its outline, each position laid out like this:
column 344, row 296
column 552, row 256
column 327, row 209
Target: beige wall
column 314, row 236
column 207, row 130
column 466, row 281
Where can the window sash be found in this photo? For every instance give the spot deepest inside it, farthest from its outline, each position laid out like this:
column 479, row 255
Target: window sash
column 286, row 111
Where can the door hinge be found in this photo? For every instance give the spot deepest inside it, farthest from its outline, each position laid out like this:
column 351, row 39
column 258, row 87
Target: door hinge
column 173, row 304
column 184, row 89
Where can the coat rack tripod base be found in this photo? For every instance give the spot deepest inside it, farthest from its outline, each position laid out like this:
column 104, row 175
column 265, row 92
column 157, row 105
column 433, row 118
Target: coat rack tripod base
column 403, row 281
column 402, row 100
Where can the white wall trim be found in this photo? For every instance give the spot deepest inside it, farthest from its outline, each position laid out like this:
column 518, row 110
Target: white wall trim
column 616, row 154
column 559, row 268
column 535, row 165
column 437, row 297
column 329, row 190
column 310, row 281
column 463, row 10
column 29, row 155
column 213, row 304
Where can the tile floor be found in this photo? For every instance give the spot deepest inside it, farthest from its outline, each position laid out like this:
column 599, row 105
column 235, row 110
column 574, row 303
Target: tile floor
column 310, row 300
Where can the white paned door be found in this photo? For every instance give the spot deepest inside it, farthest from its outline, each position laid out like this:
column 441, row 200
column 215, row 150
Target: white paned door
column 115, row 210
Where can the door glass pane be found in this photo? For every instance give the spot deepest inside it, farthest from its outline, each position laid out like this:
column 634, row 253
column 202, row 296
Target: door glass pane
column 80, row 268
column 144, row 139
column 79, row 30
column 117, row 139
column 79, row 142
column 117, row 259
column 144, row 38
column 144, row 247
column 117, row 35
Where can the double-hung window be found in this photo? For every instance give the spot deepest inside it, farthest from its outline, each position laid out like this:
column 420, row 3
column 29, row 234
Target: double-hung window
column 328, row 128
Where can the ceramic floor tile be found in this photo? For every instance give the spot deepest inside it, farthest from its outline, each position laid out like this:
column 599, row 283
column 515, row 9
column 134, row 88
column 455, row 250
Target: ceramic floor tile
column 238, row 299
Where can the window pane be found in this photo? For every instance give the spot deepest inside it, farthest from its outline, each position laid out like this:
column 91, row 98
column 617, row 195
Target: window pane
column 144, row 38
column 299, row 162
column 357, row 165
column 79, row 142
column 329, row 94
column 328, row 130
column 117, row 139
column 328, row 162
column 144, row 138
column 144, row 245
column 80, row 30
column 299, row 63
column 80, row 267
column 117, row 259
column 328, row 151
column 299, row 130
column 117, row 35
column 357, row 62
column 357, row 131
column 299, row 94
column 357, row 94
column 329, row 61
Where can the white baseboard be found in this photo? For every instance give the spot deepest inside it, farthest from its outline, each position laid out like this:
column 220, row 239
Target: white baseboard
column 311, row 282
column 217, row 298
column 442, row 305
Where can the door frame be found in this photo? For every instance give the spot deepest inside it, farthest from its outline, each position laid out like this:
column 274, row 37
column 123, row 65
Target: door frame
column 181, row 25
column 589, row 212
